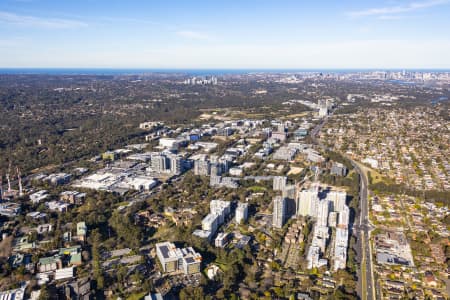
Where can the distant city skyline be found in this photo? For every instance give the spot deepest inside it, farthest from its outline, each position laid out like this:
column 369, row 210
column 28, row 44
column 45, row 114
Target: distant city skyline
column 249, row 34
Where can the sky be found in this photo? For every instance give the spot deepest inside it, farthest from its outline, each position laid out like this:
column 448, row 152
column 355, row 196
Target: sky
column 232, row 34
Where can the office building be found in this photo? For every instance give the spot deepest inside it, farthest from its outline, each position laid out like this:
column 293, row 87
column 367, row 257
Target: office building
column 169, row 143
column 226, row 131
column 159, row 163
column 167, row 163
column 176, row 165
column 300, row 133
column 202, row 167
column 338, row 169
column 58, row 178
column 285, row 153
column 314, row 156
column 280, row 136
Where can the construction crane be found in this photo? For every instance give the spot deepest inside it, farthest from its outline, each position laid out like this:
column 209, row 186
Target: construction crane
column 19, row 179
column 316, row 179
column 1, row 186
column 8, row 179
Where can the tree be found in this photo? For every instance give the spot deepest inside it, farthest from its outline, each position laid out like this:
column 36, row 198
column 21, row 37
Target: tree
column 44, row 294
column 137, row 277
column 95, row 239
column 125, row 229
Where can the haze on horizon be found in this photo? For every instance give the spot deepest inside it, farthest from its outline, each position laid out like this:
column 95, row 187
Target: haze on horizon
column 225, row 34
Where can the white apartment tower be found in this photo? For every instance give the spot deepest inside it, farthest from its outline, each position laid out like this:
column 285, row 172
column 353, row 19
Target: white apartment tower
column 338, row 198
column 279, row 183
column 279, row 211
column 241, row 212
column 322, row 213
column 307, row 203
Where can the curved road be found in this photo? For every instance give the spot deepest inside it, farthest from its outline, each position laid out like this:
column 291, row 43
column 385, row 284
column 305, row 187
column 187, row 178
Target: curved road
column 366, row 281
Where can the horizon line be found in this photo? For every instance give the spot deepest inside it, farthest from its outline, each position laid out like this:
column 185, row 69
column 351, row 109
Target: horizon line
column 4, row 70
column 226, row 68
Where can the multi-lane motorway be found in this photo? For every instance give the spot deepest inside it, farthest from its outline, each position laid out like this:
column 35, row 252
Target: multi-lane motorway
column 367, row 289
column 366, row 279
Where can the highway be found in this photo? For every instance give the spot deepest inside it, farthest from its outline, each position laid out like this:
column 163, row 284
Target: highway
column 366, row 280
column 366, row 285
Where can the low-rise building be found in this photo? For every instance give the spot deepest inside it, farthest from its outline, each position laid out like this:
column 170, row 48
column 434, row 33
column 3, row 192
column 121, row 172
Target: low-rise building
column 175, row 259
column 222, row 239
column 57, row 206
column 38, row 196
column 338, row 169
column 48, row 264
column 72, row 197
column 16, row 294
column 58, row 178
column 9, row 209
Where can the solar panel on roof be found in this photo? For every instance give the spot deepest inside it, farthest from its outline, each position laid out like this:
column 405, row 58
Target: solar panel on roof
column 189, row 260
column 165, row 251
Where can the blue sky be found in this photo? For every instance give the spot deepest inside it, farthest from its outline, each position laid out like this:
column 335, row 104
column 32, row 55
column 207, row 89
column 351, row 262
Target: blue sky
column 225, row 34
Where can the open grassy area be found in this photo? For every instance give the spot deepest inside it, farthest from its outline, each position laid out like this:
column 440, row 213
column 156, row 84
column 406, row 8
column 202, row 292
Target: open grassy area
column 376, row 177
column 297, row 115
column 257, row 189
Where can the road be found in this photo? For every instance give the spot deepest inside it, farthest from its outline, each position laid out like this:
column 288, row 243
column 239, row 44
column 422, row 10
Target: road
column 363, row 228
column 366, row 280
